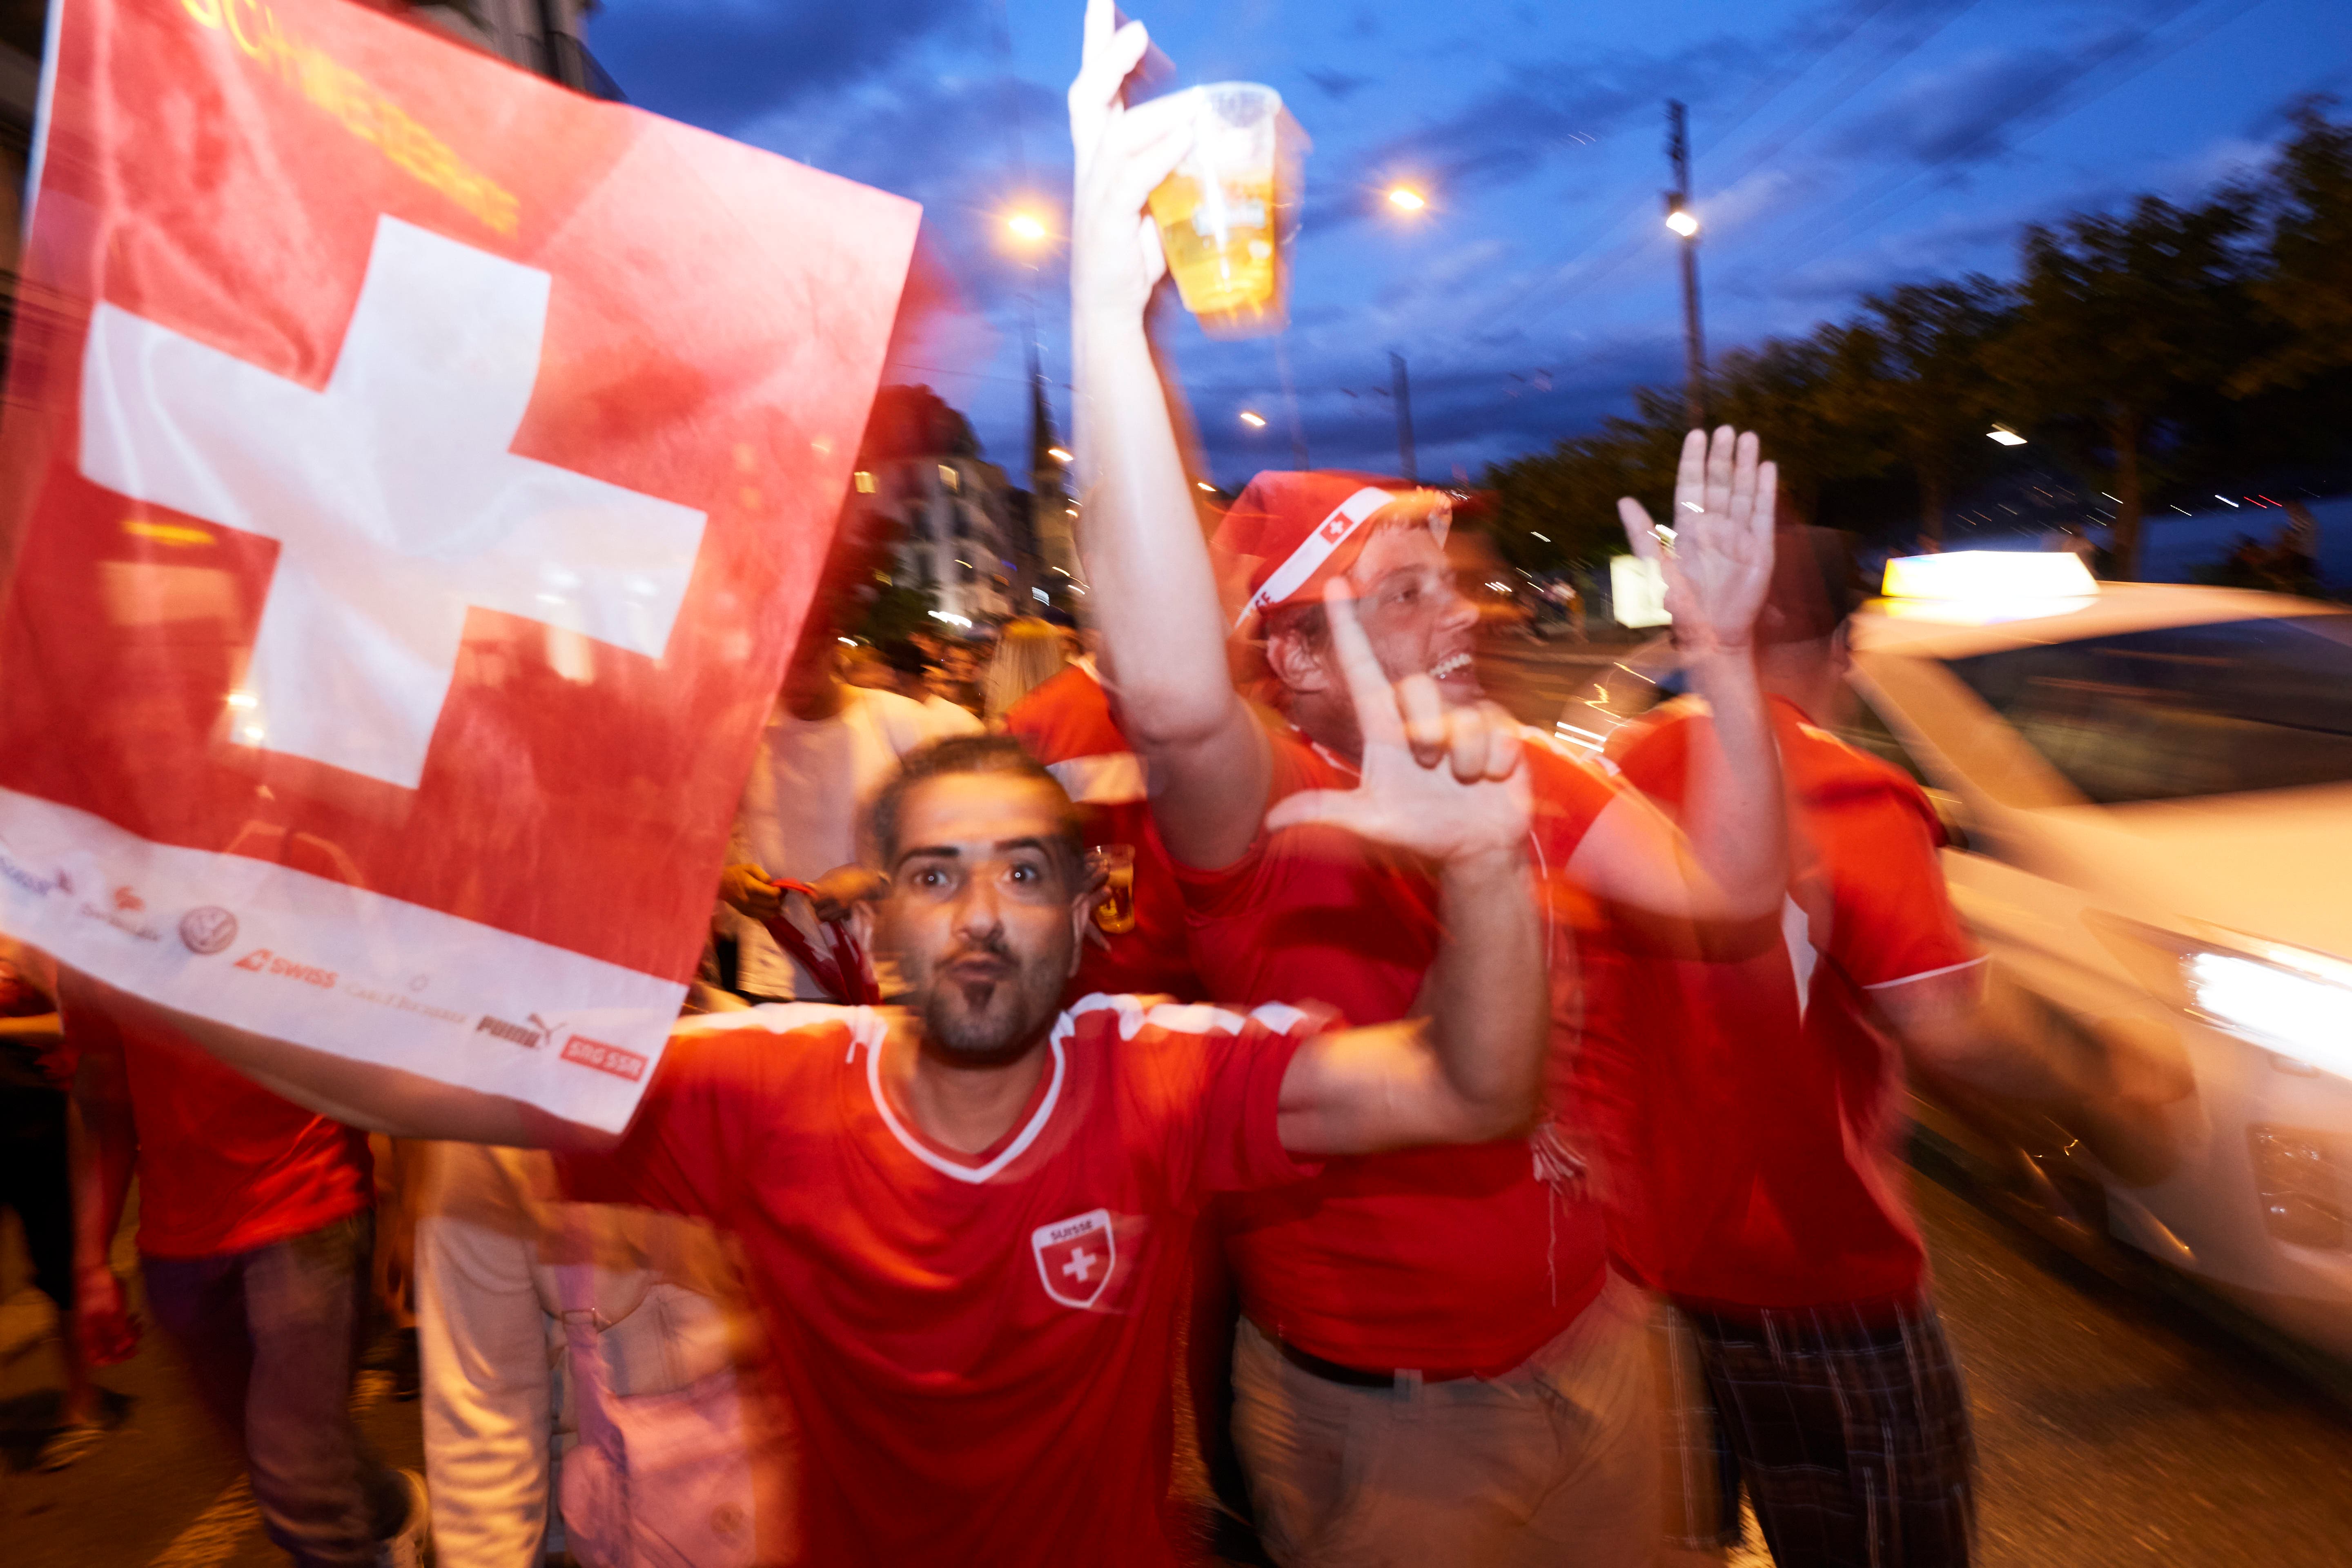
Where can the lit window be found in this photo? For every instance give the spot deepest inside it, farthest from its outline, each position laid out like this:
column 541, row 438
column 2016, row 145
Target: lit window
column 948, row 477
column 865, row 482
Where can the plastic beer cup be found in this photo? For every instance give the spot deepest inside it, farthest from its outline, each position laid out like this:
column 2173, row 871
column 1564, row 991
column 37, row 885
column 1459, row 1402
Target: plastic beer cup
column 1115, row 913
column 1219, row 213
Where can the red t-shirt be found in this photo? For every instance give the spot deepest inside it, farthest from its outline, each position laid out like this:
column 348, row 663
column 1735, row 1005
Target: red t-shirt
column 1067, row 725
column 224, row 1164
column 1455, row 1259
column 979, row 1351
column 1766, row 1124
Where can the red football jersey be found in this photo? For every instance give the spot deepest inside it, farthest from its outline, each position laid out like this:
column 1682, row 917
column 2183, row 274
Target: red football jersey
column 1069, row 725
column 224, row 1164
column 1762, row 1138
column 1464, row 1260
column 980, row 1351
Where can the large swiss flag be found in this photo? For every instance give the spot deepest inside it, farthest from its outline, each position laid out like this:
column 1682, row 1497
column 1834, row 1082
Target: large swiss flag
column 413, row 476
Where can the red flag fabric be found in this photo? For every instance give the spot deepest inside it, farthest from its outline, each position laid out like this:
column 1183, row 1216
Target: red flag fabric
column 415, row 474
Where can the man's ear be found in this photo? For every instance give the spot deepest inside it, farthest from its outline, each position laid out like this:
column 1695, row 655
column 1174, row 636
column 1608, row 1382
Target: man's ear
column 1296, row 662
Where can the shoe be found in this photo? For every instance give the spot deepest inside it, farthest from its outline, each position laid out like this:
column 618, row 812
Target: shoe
column 67, row 1444
column 411, row 1547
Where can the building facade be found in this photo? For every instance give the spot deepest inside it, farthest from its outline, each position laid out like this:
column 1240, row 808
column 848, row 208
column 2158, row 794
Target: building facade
column 943, row 519
column 547, row 38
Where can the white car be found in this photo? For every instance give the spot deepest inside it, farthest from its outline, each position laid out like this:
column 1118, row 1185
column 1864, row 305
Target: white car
column 2150, row 793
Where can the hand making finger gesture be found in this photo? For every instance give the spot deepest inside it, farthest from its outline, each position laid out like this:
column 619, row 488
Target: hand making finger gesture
column 1720, row 562
column 1442, row 782
column 1122, row 154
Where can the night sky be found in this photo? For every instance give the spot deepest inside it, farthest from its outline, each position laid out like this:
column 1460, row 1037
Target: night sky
column 1840, row 147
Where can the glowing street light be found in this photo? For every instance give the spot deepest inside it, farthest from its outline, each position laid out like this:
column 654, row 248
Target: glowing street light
column 1684, row 223
column 1406, row 199
column 1027, row 226
column 1058, row 455
column 2005, row 436
column 1255, row 421
column 1205, row 485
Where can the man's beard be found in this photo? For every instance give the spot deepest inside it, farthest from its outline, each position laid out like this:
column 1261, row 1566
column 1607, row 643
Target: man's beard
column 994, row 1019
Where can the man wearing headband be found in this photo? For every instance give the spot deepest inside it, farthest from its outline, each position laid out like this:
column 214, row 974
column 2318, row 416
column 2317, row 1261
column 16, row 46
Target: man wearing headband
column 1435, row 1363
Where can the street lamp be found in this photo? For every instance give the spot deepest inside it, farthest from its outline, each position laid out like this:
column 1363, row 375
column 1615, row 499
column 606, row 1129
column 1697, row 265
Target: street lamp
column 1027, row 226
column 1406, row 199
column 1255, row 421
column 1684, row 225
column 2005, row 436
column 1057, row 454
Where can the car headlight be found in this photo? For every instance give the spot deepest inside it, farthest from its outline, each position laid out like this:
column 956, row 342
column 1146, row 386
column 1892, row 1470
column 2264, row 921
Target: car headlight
column 2286, row 999
column 2305, row 1017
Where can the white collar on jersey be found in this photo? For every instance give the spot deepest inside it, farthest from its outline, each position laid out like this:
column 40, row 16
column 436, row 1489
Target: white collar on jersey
column 867, row 1028
column 1062, row 1027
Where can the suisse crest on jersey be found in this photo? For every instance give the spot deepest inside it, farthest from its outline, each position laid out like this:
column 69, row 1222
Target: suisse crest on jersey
column 1076, row 1257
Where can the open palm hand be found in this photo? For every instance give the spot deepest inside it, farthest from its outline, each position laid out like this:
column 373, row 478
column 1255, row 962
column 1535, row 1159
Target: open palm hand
column 1719, row 563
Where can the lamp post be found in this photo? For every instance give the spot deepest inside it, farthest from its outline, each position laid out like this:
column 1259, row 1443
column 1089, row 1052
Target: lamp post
column 1685, row 224
column 1410, row 201
column 1400, row 386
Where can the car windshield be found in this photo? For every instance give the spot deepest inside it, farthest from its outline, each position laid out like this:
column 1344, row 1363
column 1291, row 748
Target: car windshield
column 2183, row 711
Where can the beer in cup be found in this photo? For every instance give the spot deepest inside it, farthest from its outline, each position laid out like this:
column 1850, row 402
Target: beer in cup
column 1115, row 914
column 1220, row 213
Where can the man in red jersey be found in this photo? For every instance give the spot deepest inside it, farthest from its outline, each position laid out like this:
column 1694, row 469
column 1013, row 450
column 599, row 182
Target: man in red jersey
column 255, row 1230
column 1070, row 723
column 966, row 1218
column 1767, row 1178
column 1434, row 1364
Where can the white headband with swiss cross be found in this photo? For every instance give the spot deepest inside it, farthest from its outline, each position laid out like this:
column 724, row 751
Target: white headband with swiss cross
column 1329, row 535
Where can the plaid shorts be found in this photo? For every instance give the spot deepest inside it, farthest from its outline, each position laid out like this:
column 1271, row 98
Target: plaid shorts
column 1850, row 1434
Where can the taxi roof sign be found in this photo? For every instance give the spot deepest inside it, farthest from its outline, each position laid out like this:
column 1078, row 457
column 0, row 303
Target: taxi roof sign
column 1989, row 574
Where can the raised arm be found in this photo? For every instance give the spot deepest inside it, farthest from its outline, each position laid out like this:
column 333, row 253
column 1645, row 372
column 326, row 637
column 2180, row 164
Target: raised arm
column 1733, row 864
column 1154, row 593
column 1445, row 784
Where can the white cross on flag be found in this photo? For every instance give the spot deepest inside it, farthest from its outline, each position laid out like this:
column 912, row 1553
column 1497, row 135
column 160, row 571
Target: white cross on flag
column 415, row 475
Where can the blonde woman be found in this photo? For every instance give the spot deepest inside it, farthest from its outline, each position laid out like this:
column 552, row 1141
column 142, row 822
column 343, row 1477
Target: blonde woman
column 1030, row 653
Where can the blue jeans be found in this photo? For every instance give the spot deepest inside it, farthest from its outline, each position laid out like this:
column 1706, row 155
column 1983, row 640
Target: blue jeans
column 271, row 1337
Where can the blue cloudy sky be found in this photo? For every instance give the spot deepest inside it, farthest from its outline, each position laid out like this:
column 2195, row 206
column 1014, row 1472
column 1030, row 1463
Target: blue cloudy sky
column 1840, row 145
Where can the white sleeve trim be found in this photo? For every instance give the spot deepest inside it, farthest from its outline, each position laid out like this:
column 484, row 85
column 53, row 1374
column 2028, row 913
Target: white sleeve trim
column 1106, row 778
column 1931, row 974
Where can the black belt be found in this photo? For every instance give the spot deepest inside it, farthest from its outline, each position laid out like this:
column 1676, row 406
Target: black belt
column 1353, row 1376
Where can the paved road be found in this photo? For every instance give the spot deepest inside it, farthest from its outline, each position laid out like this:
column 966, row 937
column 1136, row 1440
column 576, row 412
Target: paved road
column 2114, row 1426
